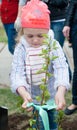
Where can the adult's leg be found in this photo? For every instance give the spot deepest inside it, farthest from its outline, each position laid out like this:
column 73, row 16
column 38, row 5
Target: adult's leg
column 6, row 28
column 11, row 34
column 57, row 27
column 73, row 38
column 74, row 46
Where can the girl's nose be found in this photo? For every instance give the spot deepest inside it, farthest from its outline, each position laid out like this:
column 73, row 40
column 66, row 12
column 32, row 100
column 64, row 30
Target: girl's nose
column 35, row 39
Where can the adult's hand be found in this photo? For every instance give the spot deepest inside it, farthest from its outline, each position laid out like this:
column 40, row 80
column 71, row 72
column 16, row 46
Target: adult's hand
column 66, row 31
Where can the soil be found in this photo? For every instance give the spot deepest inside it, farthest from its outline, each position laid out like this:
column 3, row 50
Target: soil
column 19, row 121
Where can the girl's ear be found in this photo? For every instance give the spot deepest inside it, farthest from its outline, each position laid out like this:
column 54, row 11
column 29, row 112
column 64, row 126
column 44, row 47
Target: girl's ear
column 19, row 34
column 51, row 34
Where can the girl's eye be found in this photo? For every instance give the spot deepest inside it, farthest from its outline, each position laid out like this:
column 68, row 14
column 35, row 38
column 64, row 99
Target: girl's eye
column 30, row 36
column 40, row 36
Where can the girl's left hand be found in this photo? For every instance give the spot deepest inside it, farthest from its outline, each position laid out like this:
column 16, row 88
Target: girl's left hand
column 59, row 98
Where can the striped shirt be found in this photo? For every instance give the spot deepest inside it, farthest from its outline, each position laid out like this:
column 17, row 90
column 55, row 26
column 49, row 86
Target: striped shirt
column 34, row 63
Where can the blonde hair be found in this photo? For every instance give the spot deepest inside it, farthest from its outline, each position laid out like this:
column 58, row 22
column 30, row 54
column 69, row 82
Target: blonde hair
column 20, row 33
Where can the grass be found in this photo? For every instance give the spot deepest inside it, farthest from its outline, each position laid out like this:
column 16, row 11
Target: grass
column 3, row 37
column 68, row 98
column 9, row 100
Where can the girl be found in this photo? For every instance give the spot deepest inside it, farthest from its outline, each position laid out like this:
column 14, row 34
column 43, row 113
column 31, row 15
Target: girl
column 35, row 22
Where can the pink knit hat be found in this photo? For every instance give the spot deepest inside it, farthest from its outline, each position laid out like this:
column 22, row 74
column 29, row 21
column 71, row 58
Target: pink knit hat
column 35, row 14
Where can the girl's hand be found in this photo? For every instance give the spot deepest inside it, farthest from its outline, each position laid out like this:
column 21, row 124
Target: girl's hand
column 59, row 98
column 24, row 105
column 25, row 96
column 27, row 100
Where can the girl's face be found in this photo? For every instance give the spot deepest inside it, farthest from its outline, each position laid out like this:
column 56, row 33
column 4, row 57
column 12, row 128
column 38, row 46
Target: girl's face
column 34, row 37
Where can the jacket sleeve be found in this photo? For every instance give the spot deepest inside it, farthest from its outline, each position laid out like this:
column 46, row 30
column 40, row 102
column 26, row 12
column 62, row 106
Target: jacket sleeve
column 59, row 3
column 60, row 68
column 70, row 13
column 18, row 72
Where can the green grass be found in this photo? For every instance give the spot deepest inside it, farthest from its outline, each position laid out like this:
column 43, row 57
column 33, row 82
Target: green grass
column 68, row 98
column 3, row 37
column 9, row 100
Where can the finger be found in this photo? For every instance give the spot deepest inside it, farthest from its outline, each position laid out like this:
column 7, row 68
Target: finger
column 28, row 97
column 29, row 109
column 61, row 106
column 24, row 105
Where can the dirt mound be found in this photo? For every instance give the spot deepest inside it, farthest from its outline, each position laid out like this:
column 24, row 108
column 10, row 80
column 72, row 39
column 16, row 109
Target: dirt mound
column 70, row 122
column 19, row 121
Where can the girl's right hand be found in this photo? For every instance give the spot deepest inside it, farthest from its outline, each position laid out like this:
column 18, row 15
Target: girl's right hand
column 27, row 99
column 25, row 96
column 24, row 105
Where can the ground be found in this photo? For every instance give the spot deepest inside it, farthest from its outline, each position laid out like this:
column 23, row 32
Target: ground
column 20, row 122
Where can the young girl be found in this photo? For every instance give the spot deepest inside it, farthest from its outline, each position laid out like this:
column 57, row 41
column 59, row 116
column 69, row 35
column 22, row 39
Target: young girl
column 35, row 22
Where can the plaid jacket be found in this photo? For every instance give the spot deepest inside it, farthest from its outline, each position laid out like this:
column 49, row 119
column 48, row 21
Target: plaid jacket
column 58, row 68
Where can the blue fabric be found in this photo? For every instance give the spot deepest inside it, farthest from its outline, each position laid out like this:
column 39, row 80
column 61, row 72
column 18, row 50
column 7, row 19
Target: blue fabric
column 52, row 114
column 57, row 27
column 11, row 34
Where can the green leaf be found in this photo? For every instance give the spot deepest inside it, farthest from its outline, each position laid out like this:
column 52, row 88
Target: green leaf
column 54, row 57
column 32, row 121
column 42, row 87
column 44, row 51
column 49, row 75
column 38, row 98
column 40, row 71
column 43, row 80
column 45, row 67
column 47, row 93
column 45, row 35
